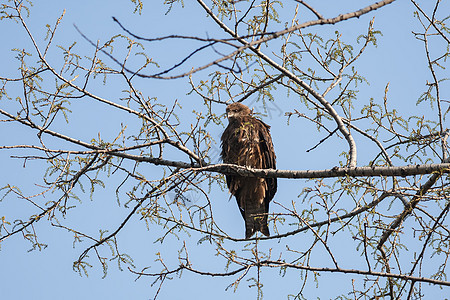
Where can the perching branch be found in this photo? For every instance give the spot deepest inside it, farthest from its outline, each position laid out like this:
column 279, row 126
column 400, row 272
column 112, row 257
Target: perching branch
column 402, row 171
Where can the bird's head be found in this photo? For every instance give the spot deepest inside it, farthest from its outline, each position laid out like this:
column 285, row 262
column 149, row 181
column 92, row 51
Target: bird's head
column 237, row 110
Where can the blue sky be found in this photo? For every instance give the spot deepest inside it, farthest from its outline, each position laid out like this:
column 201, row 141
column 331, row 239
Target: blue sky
column 48, row 274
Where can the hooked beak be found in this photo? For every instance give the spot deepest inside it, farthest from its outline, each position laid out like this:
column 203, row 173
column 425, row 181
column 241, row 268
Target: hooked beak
column 231, row 114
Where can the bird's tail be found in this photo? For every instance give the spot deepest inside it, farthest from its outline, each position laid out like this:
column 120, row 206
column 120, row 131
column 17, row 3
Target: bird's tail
column 255, row 221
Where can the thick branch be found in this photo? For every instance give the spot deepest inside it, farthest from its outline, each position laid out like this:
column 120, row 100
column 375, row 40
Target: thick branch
column 410, row 170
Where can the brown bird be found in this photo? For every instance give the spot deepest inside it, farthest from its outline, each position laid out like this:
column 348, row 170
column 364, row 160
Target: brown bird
column 247, row 142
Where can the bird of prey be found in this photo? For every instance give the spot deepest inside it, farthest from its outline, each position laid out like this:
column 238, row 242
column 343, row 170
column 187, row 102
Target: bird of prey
column 247, row 142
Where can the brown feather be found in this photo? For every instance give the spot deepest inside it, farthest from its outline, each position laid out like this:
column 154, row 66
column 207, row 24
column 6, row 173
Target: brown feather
column 247, row 142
